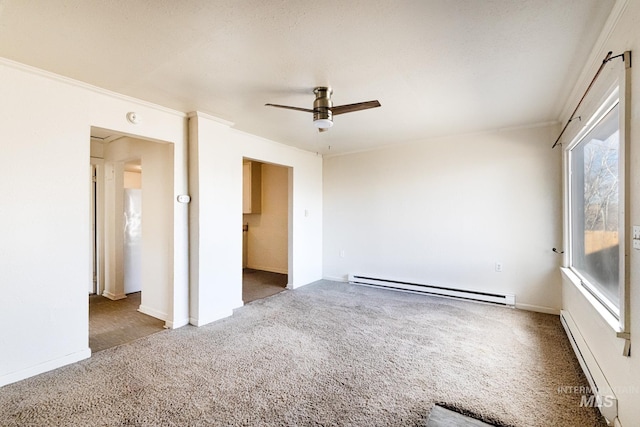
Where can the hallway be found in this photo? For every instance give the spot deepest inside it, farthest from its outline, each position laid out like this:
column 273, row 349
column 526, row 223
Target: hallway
column 112, row 323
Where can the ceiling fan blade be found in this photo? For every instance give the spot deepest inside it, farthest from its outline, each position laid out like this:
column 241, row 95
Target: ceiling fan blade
column 306, row 110
column 349, row 108
column 323, row 129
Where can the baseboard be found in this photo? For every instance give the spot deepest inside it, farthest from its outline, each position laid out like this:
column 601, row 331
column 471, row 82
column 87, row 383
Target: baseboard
column 175, row 325
column 44, row 367
column 113, row 297
column 538, row 308
column 343, row 279
column 269, row 269
column 153, row 312
column 215, row 316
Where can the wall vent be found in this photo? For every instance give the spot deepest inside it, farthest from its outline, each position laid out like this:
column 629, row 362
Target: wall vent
column 420, row 288
column 600, row 393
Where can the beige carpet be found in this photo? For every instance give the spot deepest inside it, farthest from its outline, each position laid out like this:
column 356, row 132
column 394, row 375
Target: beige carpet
column 325, row 354
column 442, row 417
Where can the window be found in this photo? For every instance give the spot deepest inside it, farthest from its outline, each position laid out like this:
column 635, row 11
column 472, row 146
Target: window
column 596, row 207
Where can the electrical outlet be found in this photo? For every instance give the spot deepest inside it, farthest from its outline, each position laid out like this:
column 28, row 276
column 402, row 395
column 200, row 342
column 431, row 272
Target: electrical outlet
column 342, row 253
column 498, row 267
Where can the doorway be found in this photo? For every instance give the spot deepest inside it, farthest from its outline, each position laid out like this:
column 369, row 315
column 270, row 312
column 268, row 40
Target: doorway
column 265, row 231
column 132, row 285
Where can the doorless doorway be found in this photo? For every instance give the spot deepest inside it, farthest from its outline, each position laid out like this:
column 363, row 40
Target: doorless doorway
column 134, row 236
column 265, row 231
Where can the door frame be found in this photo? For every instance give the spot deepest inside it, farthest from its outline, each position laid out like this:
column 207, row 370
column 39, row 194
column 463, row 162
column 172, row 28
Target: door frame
column 289, row 170
column 97, row 222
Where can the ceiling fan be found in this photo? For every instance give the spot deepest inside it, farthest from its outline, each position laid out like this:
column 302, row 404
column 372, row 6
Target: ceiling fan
column 323, row 109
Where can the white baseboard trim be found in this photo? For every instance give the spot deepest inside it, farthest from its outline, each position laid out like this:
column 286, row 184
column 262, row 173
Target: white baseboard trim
column 269, row 269
column 153, row 312
column 175, row 325
column 343, row 279
column 293, row 286
column 44, row 367
column 113, row 297
column 212, row 318
column 538, row 308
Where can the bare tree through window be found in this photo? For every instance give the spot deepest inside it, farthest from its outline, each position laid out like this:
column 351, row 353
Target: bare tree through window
column 595, row 202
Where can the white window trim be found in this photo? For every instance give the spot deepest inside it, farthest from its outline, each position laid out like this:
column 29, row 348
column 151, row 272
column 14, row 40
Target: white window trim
column 609, row 318
column 618, row 92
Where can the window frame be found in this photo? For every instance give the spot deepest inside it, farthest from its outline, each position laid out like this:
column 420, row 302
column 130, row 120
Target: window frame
column 610, row 103
column 620, row 87
column 618, row 93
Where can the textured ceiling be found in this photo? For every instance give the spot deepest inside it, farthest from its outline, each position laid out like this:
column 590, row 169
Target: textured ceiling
column 437, row 66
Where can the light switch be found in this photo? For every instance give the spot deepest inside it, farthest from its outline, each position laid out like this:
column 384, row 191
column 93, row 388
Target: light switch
column 636, row 237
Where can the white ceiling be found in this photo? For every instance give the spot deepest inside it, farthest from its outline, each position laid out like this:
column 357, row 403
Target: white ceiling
column 436, row 66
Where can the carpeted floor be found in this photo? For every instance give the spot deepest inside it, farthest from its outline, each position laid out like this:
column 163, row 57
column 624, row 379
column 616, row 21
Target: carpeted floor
column 113, row 323
column 442, row 417
column 325, row 354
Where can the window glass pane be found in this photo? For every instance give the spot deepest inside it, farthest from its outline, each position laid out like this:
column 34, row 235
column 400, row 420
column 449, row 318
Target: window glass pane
column 595, row 250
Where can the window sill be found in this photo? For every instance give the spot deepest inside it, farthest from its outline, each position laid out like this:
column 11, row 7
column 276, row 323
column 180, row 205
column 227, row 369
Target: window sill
column 603, row 312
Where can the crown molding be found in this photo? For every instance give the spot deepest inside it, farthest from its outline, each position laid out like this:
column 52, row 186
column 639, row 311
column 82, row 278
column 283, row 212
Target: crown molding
column 435, row 138
column 210, row 117
column 82, row 85
column 595, row 58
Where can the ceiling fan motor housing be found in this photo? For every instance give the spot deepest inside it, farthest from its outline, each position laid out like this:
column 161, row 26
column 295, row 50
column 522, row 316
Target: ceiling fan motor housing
column 322, row 116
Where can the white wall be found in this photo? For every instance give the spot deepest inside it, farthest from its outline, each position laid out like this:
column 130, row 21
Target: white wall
column 215, row 170
column 622, row 373
column 267, row 238
column 443, row 212
column 45, row 225
column 132, row 180
column 157, row 221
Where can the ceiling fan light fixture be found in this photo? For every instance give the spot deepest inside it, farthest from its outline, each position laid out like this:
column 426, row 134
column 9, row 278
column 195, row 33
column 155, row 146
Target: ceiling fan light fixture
column 323, row 123
column 323, row 109
column 322, row 116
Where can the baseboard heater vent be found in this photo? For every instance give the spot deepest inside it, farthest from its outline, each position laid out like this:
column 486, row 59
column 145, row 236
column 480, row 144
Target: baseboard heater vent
column 599, row 393
column 420, row 288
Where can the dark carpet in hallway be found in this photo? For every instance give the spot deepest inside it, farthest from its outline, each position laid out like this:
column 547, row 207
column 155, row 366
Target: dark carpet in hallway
column 112, row 323
column 258, row 284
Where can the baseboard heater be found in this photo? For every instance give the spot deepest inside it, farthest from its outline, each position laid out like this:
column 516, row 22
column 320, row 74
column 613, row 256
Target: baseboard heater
column 420, row 288
column 599, row 393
